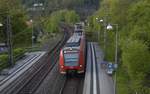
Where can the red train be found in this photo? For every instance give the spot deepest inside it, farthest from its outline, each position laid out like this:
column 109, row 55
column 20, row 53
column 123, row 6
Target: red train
column 72, row 56
column 79, row 28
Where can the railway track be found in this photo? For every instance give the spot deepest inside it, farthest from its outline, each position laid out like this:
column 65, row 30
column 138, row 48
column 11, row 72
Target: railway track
column 30, row 80
column 73, row 85
column 36, row 79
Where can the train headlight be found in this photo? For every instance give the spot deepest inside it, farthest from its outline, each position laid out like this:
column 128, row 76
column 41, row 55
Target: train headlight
column 62, row 66
column 80, row 65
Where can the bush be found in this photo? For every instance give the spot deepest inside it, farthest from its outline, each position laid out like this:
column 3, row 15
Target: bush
column 136, row 58
column 18, row 52
column 123, row 81
column 3, row 61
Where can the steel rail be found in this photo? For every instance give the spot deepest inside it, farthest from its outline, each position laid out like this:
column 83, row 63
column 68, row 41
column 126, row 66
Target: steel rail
column 31, row 86
column 20, row 68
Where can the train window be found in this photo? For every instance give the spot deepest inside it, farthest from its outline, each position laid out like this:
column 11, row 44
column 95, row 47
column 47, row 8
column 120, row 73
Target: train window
column 73, row 44
column 71, row 59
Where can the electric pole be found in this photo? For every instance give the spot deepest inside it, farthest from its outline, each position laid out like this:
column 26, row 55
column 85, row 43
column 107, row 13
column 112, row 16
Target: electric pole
column 9, row 40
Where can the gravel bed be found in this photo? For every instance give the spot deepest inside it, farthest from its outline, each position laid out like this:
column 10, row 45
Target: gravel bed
column 52, row 83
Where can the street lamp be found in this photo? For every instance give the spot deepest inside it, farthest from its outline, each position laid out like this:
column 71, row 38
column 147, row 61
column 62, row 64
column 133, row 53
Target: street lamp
column 98, row 33
column 32, row 37
column 110, row 27
column 103, row 22
column 1, row 25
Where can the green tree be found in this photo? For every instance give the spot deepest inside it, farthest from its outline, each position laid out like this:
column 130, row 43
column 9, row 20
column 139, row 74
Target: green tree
column 18, row 17
column 53, row 21
column 71, row 17
column 136, row 58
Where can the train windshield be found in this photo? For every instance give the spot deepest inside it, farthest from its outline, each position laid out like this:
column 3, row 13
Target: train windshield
column 79, row 27
column 71, row 59
column 79, row 33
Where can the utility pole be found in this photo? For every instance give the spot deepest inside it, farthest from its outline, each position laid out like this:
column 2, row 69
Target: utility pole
column 9, row 40
column 105, row 30
column 116, row 57
column 109, row 27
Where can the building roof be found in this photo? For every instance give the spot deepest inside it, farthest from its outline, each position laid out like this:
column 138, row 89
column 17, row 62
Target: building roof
column 2, row 45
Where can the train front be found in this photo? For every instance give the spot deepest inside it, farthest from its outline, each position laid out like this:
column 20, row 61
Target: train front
column 71, row 61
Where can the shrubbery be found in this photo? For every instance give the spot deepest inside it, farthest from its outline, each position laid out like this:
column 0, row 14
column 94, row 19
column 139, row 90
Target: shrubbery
column 3, row 61
column 17, row 53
